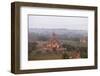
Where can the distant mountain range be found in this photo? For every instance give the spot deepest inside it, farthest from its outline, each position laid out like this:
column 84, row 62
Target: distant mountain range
column 36, row 34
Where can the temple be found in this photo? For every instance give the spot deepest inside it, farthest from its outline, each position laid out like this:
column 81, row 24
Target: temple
column 53, row 44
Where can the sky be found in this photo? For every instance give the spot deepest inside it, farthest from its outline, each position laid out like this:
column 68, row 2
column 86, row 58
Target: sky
column 58, row 22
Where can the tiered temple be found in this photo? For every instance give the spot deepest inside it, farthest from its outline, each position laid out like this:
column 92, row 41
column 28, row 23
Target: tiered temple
column 53, row 44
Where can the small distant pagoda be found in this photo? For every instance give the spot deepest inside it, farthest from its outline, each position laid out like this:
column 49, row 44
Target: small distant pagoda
column 83, row 40
column 53, row 44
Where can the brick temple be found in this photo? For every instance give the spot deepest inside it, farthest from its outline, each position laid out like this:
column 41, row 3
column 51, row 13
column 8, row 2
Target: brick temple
column 53, row 44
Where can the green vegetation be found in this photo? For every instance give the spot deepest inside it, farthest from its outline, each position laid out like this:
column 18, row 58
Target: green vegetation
column 70, row 46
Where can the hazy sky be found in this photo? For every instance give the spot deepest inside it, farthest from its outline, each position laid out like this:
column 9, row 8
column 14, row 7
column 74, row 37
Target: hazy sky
column 54, row 22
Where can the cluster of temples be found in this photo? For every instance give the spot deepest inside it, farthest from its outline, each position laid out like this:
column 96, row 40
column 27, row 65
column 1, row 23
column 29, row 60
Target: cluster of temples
column 54, row 45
